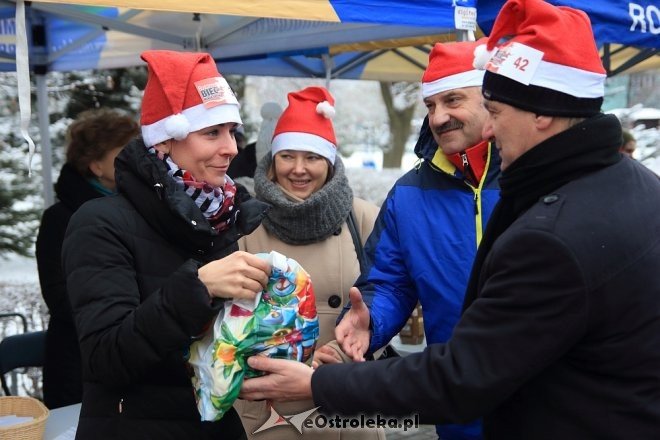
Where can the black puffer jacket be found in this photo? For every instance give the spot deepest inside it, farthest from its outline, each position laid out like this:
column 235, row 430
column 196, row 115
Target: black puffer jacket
column 62, row 372
column 131, row 263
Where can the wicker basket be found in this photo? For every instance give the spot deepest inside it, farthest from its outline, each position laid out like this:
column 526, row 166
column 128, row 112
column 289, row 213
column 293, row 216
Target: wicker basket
column 23, row 406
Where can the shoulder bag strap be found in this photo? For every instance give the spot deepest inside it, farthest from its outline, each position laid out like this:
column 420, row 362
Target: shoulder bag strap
column 357, row 241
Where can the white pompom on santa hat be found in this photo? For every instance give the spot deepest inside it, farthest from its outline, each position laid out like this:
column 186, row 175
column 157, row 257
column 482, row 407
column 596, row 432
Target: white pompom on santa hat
column 306, row 124
column 184, row 93
column 450, row 67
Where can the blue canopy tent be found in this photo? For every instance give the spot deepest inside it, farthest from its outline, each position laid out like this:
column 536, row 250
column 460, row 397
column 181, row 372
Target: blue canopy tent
column 626, row 31
column 90, row 34
column 78, row 35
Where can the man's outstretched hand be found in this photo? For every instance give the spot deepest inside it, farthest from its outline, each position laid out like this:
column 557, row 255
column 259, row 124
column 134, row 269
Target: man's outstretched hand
column 352, row 333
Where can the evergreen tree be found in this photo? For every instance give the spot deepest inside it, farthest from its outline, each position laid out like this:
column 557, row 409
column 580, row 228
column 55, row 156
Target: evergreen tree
column 20, row 205
column 118, row 89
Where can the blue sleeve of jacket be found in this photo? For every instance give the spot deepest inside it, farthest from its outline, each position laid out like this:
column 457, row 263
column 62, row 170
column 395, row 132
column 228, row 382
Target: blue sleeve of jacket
column 386, row 285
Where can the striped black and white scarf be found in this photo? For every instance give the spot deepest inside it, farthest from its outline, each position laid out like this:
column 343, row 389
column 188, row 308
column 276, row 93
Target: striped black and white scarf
column 217, row 204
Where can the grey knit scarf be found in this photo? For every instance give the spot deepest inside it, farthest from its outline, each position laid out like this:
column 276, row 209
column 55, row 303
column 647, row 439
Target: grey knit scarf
column 308, row 221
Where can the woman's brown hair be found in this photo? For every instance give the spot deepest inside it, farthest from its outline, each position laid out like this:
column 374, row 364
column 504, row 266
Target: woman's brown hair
column 94, row 133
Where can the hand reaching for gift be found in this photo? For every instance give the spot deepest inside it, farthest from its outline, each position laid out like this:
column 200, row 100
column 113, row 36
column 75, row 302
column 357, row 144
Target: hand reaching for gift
column 326, row 355
column 287, row 380
column 238, row 275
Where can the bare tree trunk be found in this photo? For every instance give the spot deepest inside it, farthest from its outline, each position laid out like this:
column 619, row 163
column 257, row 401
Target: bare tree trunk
column 400, row 126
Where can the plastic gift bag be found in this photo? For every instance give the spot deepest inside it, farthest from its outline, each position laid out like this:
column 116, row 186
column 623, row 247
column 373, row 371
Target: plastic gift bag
column 280, row 323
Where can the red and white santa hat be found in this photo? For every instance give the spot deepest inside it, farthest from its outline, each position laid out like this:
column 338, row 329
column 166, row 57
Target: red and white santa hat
column 184, row 93
column 306, row 124
column 451, row 67
column 543, row 58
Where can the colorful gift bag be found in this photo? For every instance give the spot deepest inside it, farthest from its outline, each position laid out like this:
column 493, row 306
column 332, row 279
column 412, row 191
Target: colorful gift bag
column 280, row 323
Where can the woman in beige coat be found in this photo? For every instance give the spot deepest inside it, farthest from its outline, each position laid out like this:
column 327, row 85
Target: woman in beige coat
column 304, row 181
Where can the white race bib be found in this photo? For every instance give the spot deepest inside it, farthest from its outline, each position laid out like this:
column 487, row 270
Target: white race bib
column 516, row 61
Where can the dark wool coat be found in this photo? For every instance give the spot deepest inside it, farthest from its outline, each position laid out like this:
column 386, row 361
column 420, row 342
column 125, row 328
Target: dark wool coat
column 62, row 371
column 563, row 339
column 131, row 262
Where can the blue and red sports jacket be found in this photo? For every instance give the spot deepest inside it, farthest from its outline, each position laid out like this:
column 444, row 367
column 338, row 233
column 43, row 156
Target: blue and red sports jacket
column 422, row 248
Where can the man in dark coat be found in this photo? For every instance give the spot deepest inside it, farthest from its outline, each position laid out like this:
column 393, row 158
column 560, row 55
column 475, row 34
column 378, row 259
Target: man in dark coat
column 560, row 335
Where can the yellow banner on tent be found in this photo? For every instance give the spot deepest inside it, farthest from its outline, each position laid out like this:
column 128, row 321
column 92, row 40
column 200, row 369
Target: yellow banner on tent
column 320, row 10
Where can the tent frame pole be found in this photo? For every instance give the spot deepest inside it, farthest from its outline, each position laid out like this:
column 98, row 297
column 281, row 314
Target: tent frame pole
column 328, row 63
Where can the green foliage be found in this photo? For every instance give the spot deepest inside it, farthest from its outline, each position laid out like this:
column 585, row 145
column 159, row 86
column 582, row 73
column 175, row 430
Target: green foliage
column 19, row 218
column 104, row 88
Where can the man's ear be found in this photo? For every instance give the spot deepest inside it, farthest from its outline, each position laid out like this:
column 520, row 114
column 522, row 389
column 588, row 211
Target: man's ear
column 164, row 147
column 543, row 122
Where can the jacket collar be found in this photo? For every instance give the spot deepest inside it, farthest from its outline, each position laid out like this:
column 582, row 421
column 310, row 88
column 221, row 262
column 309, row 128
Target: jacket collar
column 72, row 189
column 142, row 178
column 426, row 146
column 469, row 165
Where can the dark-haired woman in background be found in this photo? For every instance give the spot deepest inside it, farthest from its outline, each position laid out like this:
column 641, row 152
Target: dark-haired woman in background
column 93, row 141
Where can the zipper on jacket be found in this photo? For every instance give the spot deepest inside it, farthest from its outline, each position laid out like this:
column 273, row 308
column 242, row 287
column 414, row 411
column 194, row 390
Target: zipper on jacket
column 121, row 405
column 159, row 190
column 467, row 170
column 477, row 201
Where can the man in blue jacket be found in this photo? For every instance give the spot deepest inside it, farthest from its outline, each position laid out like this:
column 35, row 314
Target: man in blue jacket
column 560, row 334
column 426, row 235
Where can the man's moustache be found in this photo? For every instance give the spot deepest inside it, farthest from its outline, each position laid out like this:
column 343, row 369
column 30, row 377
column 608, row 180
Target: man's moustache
column 451, row 125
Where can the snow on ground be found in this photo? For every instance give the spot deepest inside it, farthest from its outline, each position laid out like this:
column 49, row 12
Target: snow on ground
column 20, row 292
column 18, row 269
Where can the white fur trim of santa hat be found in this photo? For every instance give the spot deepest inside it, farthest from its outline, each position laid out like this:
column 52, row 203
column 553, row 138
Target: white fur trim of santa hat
column 470, row 78
column 197, row 117
column 582, row 83
column 304, row 142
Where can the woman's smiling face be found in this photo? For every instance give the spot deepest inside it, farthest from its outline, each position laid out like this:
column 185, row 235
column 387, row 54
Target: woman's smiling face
column 301, row 173
column 205, row 153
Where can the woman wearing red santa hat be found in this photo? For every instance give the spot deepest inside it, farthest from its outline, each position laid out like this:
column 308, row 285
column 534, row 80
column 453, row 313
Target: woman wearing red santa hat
column 148, row 269
column 310, row 221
